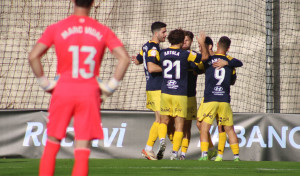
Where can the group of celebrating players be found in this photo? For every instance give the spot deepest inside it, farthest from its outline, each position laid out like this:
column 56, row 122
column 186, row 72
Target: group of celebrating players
column 171, row 79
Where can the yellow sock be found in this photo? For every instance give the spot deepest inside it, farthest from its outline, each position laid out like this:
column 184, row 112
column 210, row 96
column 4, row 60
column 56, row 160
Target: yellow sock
column 177, row 140
column 184, row 145
column 171, row 137
column 222, row 141
column 204, row 146
column 162, row 131
column 235, row 148
column 153, row 134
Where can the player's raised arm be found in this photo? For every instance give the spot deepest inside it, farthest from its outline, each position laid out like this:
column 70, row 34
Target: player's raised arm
column 201, row 42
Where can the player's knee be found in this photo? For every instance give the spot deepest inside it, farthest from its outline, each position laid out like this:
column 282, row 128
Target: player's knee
column 53, row 139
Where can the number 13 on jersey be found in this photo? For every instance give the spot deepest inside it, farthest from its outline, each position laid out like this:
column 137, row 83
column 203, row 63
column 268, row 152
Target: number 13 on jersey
column 89, row 60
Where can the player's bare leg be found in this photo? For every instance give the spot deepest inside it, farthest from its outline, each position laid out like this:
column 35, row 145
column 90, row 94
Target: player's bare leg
column 171, row 129
column 212, row 152
column 147, row 152
column 178, row 135
column 47, row 163
column 162, row 133
column 233, row 141
column 81, row 155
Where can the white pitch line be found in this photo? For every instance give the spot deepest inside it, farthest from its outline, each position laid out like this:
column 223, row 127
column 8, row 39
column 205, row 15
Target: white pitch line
column 170, row 167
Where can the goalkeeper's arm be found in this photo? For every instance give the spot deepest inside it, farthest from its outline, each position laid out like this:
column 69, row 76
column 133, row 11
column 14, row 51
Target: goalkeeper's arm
column 34, row 59
column 123, row 62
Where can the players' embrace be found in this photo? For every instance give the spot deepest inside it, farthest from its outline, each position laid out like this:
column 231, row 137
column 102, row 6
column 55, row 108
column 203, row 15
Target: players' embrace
column 176, row 69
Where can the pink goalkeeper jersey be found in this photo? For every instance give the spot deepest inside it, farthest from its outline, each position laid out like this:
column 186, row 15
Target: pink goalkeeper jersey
column 80, row 44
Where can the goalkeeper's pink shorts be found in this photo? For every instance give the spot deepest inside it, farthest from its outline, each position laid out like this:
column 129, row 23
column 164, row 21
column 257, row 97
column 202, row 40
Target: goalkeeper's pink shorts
column 81, row 100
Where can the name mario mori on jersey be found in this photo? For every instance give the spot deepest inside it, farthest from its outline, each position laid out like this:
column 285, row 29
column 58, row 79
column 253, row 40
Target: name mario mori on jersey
column 80, row 30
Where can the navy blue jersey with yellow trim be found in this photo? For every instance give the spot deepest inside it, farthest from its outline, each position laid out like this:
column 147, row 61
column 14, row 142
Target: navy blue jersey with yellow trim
column 150, row 53
column 175, row 65
column 218, row 81
column 192, row 76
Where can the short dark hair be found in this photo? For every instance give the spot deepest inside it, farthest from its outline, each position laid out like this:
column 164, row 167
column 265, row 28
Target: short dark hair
column 190, row 34
column 176, row 36
column 208, row 41
column 224, row 42
column 157, row 26
column 84, row 3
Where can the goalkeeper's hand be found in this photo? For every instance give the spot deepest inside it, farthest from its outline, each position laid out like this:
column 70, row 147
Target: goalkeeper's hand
column 47, row 85
column 107, row 89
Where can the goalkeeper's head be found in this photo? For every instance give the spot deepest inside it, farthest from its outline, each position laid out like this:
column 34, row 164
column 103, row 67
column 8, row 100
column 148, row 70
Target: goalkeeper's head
column 84, row 3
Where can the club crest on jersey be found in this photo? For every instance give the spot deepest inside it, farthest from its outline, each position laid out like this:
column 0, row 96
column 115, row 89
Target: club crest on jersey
column 153, row 52
column 172, row 84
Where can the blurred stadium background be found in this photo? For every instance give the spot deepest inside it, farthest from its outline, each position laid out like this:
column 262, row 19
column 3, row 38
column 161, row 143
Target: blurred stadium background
column 265, row 36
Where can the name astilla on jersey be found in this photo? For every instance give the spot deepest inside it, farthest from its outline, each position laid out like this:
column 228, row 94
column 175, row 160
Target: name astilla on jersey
column 176, row 53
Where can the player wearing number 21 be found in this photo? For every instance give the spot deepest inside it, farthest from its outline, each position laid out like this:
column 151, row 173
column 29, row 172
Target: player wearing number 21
column 80, row 43
column 174, row 90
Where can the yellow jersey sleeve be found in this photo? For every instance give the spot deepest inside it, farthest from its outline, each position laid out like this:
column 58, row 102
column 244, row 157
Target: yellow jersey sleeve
column 142, row 52
column 201, row 66
column 154, row 53
column 192, row 56
column 233, row 71
column 229, row 57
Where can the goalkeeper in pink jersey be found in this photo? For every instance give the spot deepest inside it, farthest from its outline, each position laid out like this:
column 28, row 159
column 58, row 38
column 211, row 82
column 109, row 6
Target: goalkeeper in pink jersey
column 80, row 43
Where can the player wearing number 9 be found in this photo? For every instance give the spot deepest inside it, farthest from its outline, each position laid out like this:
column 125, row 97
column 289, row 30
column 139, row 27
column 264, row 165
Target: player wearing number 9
column 174, row 89
column 217, row 97
column 80, row 42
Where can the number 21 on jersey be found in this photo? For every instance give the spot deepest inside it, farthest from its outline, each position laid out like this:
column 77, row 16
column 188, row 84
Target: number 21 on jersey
column 89, row 60
column 170, row 65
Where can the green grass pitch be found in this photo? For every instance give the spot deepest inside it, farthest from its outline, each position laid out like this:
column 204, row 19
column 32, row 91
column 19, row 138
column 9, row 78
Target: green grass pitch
column 141, row 167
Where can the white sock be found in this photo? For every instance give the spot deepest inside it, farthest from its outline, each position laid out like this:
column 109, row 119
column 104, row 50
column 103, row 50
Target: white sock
column 204, row 154
column 236, row 156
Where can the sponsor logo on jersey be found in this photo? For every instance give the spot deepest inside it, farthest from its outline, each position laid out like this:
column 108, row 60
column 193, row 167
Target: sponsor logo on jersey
column 172, row 84
column 178, row 109
column 164, row 109
column 218, row 88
